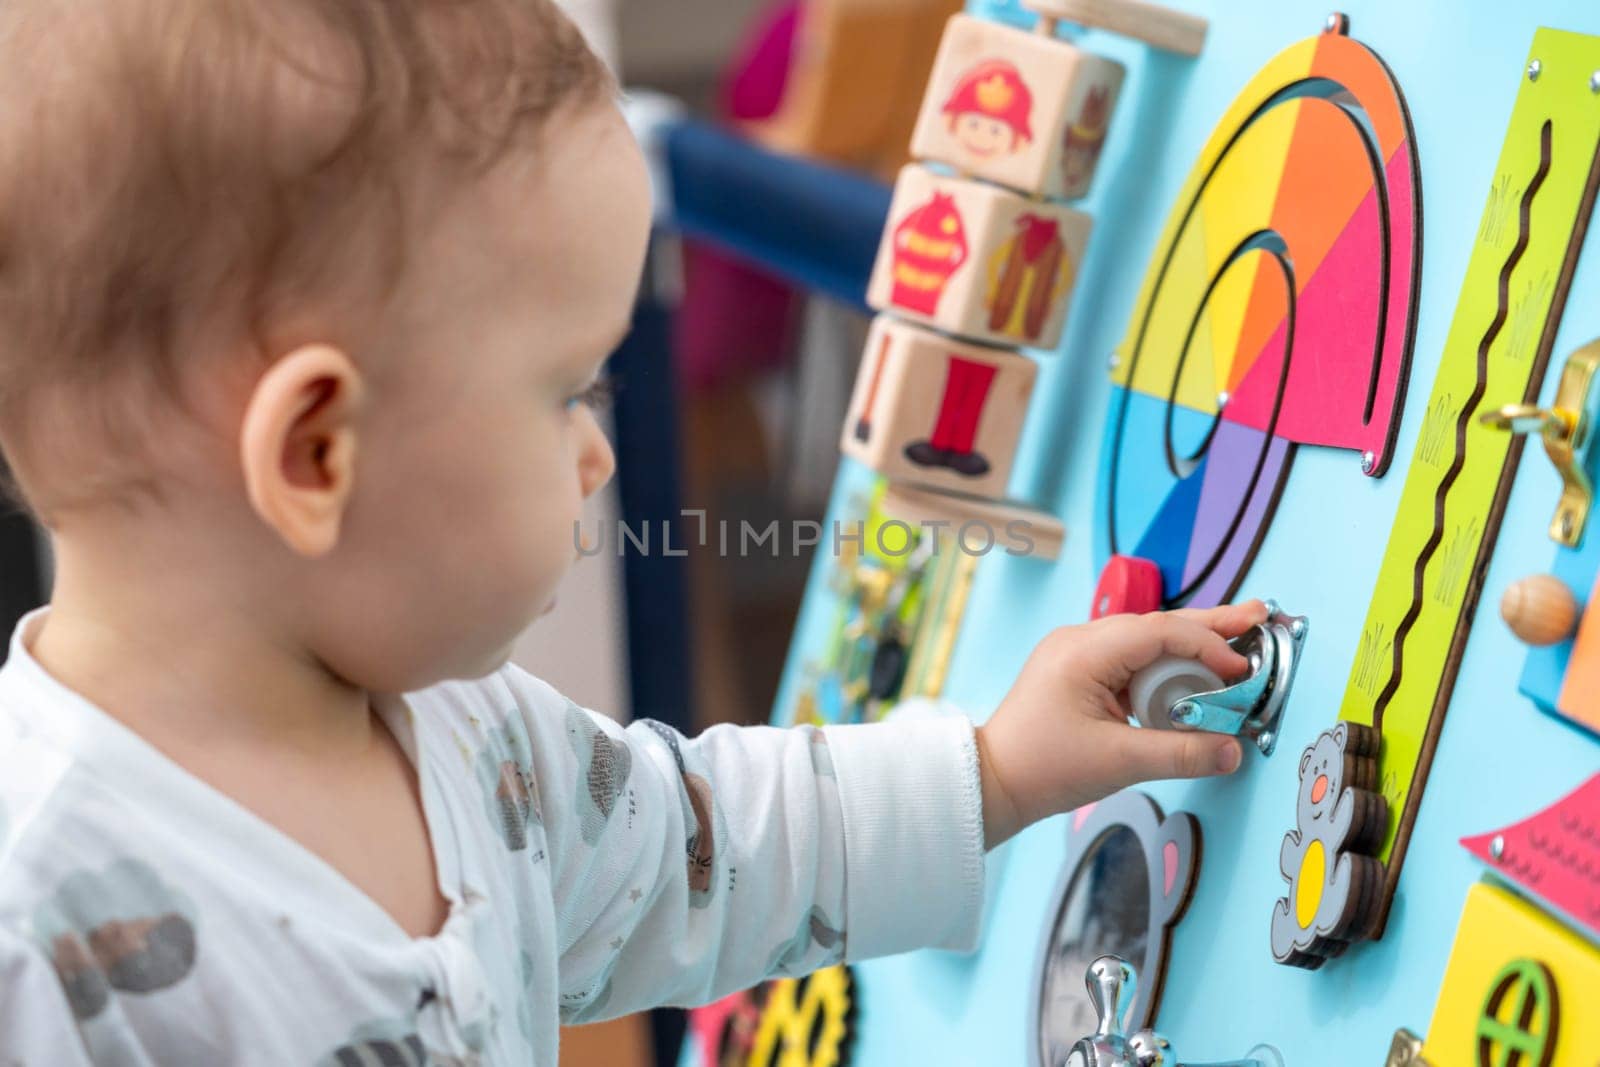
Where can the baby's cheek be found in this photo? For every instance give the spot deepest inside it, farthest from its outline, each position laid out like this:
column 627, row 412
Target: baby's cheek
column 554, row 540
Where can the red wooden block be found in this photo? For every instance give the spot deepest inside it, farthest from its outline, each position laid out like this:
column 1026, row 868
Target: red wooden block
column 1128, row 586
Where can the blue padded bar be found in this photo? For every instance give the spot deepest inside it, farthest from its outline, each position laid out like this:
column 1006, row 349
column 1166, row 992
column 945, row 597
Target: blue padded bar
column 814, row 225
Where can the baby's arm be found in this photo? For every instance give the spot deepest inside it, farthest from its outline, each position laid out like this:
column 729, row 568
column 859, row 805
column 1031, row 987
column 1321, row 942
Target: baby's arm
column 684, row 870
column 687, row 869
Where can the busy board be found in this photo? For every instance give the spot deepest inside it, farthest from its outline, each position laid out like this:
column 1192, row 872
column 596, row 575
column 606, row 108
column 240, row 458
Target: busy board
column 1220, row 300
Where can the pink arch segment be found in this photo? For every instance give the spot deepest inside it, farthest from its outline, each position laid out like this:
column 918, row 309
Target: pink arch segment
column 1326, row 399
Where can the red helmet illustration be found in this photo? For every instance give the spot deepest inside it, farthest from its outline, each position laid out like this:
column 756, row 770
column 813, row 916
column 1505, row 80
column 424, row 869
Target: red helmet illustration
column 994, row 89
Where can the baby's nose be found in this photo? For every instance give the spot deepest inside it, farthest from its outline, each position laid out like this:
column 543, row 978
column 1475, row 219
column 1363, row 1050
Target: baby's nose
column 597, row 463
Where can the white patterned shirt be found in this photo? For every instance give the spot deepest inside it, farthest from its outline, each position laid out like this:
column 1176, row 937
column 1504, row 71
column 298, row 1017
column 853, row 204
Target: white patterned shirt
column 591, row 871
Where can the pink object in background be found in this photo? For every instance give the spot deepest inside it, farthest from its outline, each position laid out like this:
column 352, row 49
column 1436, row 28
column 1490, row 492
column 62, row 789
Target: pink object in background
column 754, row 85
column 735, row 321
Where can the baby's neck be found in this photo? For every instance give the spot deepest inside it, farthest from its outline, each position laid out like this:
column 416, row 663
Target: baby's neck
column 190, row 664
column 214, row 677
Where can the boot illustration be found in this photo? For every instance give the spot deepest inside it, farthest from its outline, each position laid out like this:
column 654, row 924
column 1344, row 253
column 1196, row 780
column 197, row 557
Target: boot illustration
column 966, row 390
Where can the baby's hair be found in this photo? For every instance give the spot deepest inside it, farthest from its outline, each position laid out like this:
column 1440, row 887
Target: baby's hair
column 191, row 177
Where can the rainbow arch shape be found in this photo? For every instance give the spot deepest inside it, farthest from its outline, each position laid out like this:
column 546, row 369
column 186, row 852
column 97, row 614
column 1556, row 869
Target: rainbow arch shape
column 1279, row 310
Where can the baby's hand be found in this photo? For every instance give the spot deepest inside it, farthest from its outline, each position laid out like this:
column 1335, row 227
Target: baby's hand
column 1061, row 738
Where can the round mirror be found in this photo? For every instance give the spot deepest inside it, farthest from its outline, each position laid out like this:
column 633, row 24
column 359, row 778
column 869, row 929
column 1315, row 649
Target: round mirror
column 1106, row 910
column 1126, row 879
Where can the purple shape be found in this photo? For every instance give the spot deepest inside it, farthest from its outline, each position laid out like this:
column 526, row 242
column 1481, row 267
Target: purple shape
column 1231, row 463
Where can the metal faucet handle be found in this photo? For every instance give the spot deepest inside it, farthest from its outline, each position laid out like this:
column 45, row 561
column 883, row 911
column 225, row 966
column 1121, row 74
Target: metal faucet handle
column 1108, row 979
column 1150, row 1049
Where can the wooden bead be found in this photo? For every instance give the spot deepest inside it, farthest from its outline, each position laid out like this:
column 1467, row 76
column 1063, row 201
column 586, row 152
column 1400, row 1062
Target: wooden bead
column 1540, row 610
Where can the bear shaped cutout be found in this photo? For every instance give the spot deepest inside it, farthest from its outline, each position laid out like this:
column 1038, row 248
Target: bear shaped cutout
column 1335, row 883
column 1126, row 881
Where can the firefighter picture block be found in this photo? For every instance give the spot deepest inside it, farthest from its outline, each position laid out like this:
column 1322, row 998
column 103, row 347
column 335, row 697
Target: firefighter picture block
column 1022, row 109
column 930, row 410
column 978, row 261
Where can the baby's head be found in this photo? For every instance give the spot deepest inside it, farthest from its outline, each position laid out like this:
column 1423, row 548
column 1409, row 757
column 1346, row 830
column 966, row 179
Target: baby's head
column 298, row 305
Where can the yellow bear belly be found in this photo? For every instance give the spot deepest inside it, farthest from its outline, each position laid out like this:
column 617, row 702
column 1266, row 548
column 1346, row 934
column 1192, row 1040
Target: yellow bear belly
column 1308, row 886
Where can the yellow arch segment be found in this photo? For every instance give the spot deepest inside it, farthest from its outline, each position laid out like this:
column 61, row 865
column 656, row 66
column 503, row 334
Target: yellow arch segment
column 1239, row 202
column 1169, row 328
column 1248, row 188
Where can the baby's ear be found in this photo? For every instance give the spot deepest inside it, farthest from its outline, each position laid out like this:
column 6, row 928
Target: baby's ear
column 297, row 445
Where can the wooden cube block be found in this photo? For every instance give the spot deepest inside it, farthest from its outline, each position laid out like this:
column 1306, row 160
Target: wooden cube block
column 1018, row 108
column 934, row 411
column 977, row 260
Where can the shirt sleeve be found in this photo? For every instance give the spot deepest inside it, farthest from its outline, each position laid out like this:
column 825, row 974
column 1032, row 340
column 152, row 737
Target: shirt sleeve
column 36, row 1022
column 684, row 870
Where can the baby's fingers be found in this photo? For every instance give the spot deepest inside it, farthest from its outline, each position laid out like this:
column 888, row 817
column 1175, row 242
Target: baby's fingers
column 1153, row 755
column 1210, row 648
column 1143, row 639
column 1229, row 620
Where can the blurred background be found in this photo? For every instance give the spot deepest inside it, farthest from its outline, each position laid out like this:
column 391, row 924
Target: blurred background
column 774, row 128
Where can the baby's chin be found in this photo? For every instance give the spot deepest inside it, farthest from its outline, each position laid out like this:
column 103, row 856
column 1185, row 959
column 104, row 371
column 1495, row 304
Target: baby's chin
column 550, row 601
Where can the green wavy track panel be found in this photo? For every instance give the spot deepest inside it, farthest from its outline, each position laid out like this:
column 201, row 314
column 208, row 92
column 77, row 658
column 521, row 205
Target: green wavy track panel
column 1460, row 476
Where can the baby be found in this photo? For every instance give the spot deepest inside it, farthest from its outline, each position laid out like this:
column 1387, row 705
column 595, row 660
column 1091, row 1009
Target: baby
column 302, row 306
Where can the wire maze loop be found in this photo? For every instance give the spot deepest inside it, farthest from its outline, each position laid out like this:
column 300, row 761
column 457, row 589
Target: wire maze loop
column 1279, row 311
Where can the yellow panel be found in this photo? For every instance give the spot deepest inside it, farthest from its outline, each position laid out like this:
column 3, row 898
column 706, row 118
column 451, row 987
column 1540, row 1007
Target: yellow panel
column 1512, row 969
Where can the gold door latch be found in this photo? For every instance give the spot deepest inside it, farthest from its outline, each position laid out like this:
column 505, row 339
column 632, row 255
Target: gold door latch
column 1405, row 1051
column 1568, row 431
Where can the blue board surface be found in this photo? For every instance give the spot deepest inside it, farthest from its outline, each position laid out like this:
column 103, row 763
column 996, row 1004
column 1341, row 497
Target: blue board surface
column 1459, row 63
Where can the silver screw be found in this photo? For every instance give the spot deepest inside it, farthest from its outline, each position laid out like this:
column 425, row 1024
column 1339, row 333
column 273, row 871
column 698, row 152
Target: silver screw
column 1594, row 82
column 1335, row 23
column 1298, row 628
column 1535, row 69
column 1369, row 462
column 1497, row 847
column 1182, row 710
column 1222, row 400
column 1114, row 362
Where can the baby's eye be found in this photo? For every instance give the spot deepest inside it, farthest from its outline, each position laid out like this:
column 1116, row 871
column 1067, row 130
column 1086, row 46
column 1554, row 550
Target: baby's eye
column 597, row 395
